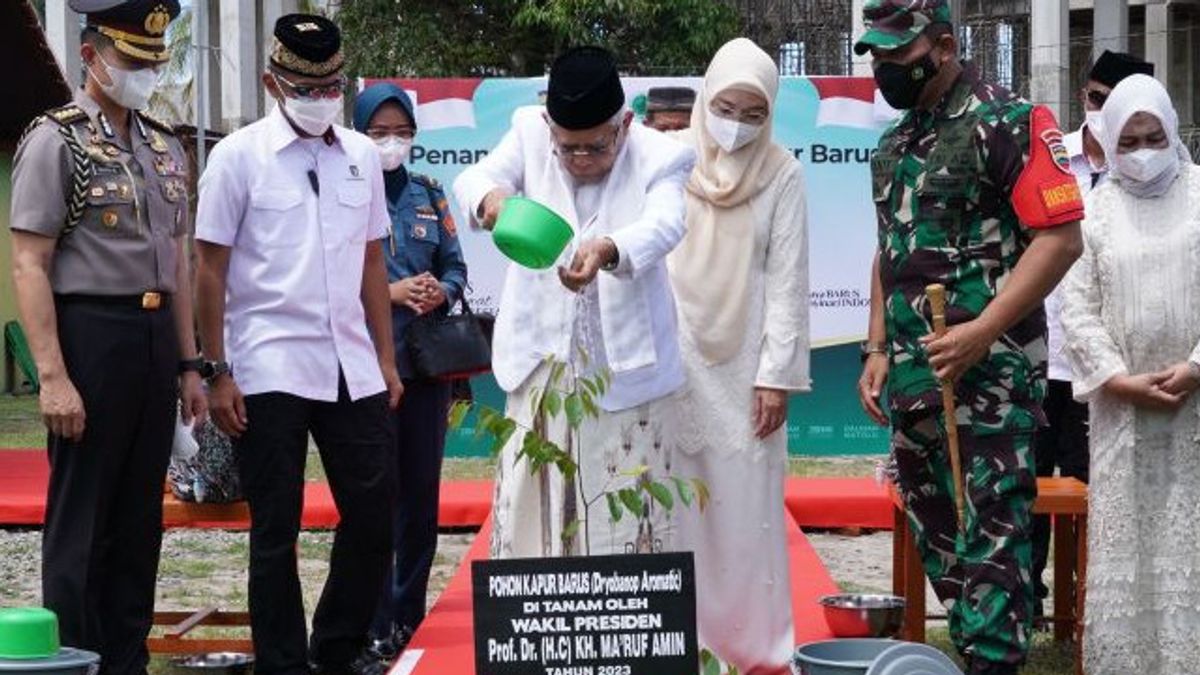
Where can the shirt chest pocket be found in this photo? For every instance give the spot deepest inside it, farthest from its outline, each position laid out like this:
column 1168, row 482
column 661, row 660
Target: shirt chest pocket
column 112, row 204
column 354, row 205
column 278, row 218
column 946, row 205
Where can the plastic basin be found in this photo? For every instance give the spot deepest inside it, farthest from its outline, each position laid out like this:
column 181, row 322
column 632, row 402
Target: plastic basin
column 838, row 657
column 530, row 234
column 67, row 662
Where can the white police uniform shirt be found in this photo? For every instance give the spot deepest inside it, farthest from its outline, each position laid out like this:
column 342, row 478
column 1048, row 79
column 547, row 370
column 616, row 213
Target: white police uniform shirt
column 1059, row 368
column 293, row 311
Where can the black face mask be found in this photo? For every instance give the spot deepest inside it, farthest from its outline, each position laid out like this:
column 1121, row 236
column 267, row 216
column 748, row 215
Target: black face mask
column 901, row 85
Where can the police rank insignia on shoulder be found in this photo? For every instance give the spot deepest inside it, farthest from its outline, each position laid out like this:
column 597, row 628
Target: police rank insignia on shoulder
column 1053, row 138
column 67, row 114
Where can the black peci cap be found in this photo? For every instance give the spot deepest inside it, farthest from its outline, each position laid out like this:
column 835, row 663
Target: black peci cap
column 585, row 88
column 307, row 44
column 1112, row 67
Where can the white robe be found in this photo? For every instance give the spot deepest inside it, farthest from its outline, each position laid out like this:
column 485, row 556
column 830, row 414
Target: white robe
column 1132, row 306
column 625, row 321
column 743, row 594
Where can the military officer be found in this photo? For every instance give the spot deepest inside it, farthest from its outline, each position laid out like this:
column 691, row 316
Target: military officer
column 426, row 273
column 973, row 190
column 99, row 221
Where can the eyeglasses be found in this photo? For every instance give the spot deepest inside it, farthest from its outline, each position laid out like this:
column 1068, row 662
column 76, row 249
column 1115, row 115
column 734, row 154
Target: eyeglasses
column 1096, row 97
column 755, row 116
column 379, row 133
column 586, row 149
column 330, row 90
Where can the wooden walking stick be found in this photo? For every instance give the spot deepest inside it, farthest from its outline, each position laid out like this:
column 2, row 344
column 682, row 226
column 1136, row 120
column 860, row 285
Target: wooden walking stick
column 937, row 305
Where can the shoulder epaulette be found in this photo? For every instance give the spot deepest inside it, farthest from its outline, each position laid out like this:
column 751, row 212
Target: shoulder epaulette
column 156, row 122
column 67, row 114
column 425, row 181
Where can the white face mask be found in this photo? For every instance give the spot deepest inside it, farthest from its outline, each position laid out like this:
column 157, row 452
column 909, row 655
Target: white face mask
column 130, row 89
column 313, row 115
column 731, row 135
column 1095, row 124
column 1146, row 164
column 393, row 151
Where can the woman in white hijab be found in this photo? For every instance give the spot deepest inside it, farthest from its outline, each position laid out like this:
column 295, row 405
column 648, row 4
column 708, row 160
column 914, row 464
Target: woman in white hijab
column 740, row 277
column 1132, row 325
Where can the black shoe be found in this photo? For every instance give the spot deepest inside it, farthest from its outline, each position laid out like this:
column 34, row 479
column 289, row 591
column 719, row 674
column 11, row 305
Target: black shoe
column 392, row 646
column 365, row 664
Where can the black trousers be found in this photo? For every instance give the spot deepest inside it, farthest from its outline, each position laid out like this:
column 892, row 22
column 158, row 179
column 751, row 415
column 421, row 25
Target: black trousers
column 1062, row 445
column 355, row 441
column 103, row 528
column 420, row 427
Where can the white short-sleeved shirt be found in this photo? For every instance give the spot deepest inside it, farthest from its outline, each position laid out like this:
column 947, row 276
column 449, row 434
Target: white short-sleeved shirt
column 293, row 309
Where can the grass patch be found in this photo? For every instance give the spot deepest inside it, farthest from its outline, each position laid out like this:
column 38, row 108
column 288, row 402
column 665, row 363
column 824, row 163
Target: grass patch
column 854, row 587
column 21, row 423
column 1046, row 657
column 851, row 466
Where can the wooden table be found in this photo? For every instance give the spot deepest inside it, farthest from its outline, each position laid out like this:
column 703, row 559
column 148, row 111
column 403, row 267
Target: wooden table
column 1065, row 501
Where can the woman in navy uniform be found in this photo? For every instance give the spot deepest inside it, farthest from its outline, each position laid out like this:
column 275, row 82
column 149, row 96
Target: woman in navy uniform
column 426, row 273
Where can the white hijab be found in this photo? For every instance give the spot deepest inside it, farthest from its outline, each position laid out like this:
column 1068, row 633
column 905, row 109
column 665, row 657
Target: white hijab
column 710, row 269
column 1132, row 95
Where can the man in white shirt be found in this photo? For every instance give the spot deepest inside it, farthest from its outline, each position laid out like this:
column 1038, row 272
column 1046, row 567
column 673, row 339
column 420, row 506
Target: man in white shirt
column 1063, row 444
column 293, row 307
column 620, row 186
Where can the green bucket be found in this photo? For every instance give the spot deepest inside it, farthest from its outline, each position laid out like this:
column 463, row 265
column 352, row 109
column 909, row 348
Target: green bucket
column 28, row 633
column 530, row 234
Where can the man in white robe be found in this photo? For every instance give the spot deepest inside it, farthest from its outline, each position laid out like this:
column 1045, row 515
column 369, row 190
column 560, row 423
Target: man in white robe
column 620, row 186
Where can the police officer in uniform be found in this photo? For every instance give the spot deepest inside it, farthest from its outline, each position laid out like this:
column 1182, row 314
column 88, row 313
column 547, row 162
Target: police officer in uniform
column 426, row 273
column 973, row 190
column 99, row 221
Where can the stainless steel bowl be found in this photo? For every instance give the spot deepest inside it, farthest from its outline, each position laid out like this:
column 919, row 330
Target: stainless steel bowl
column 215, row 663
column 863, row 615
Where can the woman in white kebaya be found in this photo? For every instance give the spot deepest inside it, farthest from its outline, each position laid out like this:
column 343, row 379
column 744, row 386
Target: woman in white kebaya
column 741, row 283
column 1132, row 324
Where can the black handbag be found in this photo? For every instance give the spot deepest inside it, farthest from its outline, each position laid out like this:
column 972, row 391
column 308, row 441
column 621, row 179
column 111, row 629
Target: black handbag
column 450, row 346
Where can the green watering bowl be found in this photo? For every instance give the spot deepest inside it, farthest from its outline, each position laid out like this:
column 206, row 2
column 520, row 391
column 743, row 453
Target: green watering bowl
column 530, row 234
column 28, row 633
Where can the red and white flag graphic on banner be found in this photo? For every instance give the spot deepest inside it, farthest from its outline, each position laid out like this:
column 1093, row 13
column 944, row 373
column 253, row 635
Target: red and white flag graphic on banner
column 443, row 104
column 851, row 102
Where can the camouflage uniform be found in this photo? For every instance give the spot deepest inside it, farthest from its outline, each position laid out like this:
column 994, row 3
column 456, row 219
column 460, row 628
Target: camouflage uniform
column 944, row 182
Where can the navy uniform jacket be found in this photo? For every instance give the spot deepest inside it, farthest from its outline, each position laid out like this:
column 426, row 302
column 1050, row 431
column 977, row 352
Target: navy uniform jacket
column 424, row 239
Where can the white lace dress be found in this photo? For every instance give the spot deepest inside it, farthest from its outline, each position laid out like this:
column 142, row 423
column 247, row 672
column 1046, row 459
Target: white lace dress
column 740, row 542
column 1132, row 305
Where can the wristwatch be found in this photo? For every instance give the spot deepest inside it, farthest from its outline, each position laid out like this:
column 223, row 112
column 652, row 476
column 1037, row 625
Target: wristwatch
column 214, row 369
column 195, row 365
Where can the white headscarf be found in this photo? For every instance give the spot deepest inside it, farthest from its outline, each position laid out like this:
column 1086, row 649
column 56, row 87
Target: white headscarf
column 710, row 270
column 1132, row 95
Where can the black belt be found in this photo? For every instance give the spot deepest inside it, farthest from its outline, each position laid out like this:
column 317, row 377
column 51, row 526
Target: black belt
column 150, row 300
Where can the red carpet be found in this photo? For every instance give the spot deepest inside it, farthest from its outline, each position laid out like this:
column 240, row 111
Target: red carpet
column 24, row 474
column 813, row 502
column 444, row 645
column 834, row 503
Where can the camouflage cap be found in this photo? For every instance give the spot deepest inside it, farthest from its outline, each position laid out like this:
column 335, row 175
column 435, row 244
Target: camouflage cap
column 895, row 23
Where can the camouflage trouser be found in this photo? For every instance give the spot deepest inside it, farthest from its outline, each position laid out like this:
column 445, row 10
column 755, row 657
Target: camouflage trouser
column 982, row 577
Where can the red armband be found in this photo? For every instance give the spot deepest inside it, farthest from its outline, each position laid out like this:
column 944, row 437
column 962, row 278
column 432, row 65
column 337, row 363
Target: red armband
column 1046, row 194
